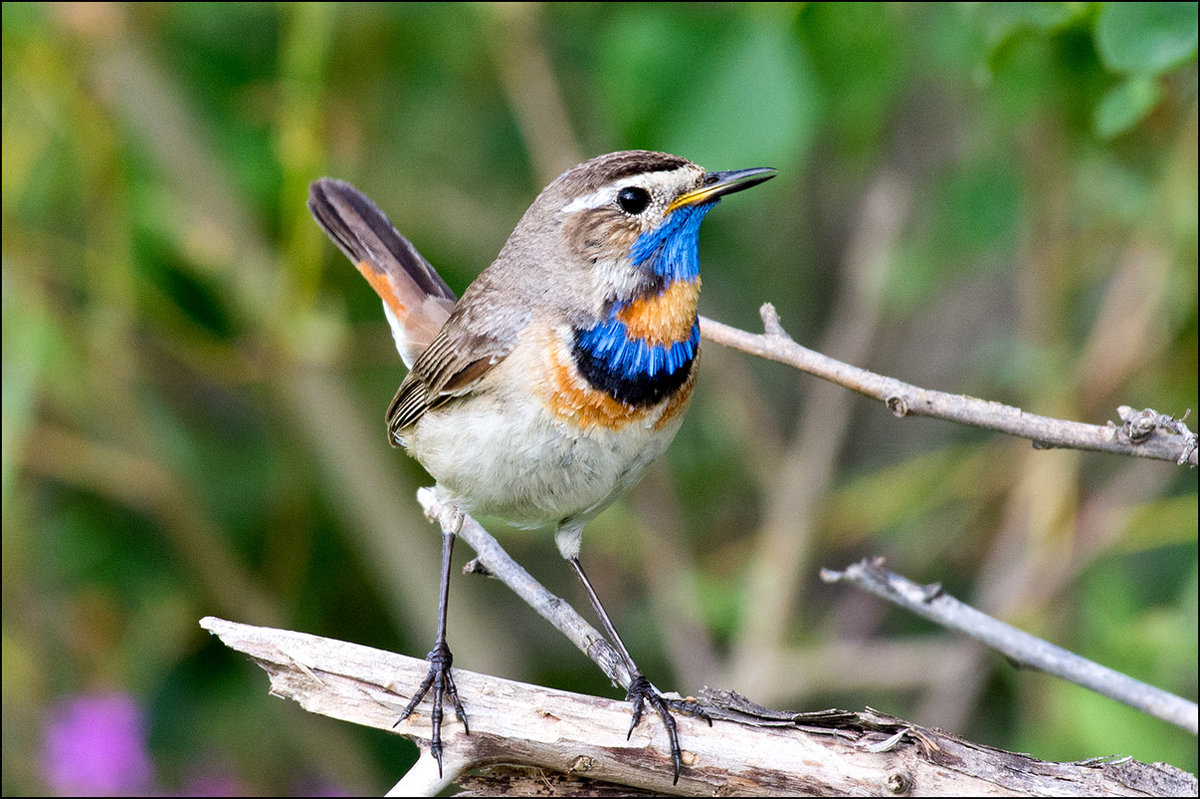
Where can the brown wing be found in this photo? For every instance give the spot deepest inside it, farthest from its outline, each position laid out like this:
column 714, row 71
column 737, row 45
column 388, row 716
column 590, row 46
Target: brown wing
column 449, row 368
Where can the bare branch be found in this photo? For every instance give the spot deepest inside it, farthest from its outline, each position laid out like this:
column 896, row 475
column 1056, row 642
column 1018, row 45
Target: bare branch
column 750, row 751
column 494, row 561
column 1141, row 434
column 1021, row 647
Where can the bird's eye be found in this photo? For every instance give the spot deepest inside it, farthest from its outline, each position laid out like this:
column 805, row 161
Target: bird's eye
column 633, row 199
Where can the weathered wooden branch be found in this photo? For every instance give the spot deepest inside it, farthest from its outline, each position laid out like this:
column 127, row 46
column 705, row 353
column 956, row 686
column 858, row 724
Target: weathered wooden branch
column 748, row 751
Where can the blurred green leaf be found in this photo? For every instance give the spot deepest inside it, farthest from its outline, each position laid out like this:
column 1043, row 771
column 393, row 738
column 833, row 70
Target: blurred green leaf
column 753, row 102
column 1125, row 105
column 858, row 59
column 1146, row 38
column 1167, row 522
column 975, row 212
column 1003, row 20
column 28, row 338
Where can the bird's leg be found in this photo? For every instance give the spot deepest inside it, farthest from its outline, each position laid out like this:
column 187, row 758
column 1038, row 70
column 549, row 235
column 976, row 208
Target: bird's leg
column 439, row 677
column 641, row 691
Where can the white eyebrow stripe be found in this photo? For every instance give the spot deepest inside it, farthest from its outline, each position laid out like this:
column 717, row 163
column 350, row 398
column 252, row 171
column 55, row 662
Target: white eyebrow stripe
column 607, row 194
column 601, row 196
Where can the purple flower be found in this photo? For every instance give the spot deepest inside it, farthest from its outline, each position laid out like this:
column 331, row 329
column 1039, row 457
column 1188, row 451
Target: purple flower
column 95, row 745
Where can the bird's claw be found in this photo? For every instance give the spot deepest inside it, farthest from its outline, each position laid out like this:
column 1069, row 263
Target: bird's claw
column 441, row 681
column 642, row 692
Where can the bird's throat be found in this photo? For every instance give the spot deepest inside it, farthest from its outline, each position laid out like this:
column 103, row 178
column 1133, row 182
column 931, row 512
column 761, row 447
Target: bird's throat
column 642, row 351
column 671, row 250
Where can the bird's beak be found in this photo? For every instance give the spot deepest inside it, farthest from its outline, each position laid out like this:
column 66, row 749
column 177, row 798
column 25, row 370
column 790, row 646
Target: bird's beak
column 718, row 184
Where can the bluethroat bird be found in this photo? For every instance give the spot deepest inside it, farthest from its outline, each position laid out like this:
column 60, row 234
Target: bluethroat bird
column 544, row 392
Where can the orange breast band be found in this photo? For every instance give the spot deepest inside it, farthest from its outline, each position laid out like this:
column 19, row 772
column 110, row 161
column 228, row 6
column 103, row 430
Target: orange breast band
column 663, row 319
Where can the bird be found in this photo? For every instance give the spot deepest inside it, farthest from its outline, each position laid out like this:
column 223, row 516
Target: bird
column 544, row 392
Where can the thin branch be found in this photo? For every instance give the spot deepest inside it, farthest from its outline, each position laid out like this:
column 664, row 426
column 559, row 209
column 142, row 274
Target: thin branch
column 750, row 751
column 494, row 561
column 1144, row 434
column 528, row 79
column 1021, row 647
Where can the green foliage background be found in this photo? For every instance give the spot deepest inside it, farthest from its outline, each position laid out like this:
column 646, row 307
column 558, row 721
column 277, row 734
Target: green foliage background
column 194, row 380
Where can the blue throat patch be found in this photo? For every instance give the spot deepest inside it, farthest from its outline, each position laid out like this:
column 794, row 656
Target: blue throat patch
column 632, row 370
column 671, row 249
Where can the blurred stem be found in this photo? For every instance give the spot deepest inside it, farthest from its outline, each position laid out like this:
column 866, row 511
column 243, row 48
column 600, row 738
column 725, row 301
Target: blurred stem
column 807, row 469
column 671, row 575
column 28, row 343
column 307, row 35
column 146, row 487
column 529, row 82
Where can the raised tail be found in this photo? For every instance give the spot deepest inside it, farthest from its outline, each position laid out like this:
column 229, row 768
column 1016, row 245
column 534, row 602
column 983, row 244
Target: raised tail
column 416, row 300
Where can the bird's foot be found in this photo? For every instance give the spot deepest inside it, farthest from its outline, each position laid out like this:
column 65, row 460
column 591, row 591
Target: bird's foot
column 440, row 511
column 642, row 692
column 440, row 680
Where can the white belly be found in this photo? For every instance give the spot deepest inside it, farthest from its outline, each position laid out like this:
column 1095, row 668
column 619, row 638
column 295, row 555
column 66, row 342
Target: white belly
column 516, row 461
column 534, row 444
